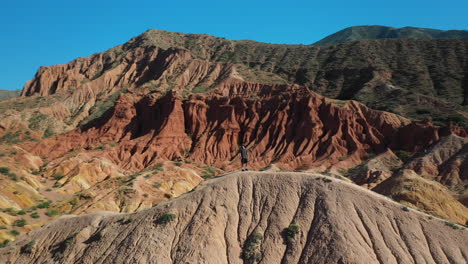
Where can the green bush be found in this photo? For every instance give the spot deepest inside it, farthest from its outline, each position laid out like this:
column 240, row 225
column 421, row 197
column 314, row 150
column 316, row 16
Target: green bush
column 34, row 215
column 290, row 232
column 166, row 218
column 13, row 176
column 43, row 205
column 27, row 248
column 4, row 170
column 57, row 176
column 405, row 156
column 4, row 243
column 10, row 138
column 73, row 202
column 20, row 222
column 21, row 212
column 14, row 232
column 251, row 250
column 178, row 163
column 51, row 213
column 452, row 225
column 10, row 211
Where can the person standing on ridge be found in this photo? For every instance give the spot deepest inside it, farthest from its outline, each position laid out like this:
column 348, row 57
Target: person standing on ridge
column 244, row 158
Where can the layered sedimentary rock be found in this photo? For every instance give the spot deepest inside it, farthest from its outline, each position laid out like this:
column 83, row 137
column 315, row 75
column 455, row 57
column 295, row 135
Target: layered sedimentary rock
column 247, row 216
column 298, row 130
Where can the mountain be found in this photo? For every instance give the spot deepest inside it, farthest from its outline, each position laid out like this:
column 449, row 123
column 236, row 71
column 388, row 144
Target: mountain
column 147, row 121
column 383, row 32
column 7, row 94
column 389, row 75
column 252, row 217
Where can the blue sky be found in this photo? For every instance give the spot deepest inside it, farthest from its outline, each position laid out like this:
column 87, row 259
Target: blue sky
column 42, row 33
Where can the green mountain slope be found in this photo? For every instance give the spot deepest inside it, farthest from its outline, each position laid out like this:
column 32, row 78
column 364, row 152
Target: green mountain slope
column 383, row 32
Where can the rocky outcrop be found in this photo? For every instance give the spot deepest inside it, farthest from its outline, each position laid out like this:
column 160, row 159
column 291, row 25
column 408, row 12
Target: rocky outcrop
column 445, row 162
column 295, row 130
column 375, row 170
column 247, row 216
column 404, row 76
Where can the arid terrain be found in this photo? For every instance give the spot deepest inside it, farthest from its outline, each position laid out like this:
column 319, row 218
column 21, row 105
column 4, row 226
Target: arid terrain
column 138, row 129
column 250, row 217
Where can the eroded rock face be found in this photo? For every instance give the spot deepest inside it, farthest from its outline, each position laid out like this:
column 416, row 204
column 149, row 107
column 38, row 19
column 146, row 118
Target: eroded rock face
column 444, row 162
column 298, row 130
column 337, row 223
column 375, row 170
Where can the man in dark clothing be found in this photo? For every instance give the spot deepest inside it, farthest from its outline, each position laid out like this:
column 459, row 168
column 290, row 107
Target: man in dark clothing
column 244, row 159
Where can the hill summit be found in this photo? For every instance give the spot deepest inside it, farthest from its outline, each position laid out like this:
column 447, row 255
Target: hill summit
column 253, row 217
column 384, row 32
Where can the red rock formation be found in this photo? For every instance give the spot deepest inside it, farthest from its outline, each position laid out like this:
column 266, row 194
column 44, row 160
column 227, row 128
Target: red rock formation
column 295, row 130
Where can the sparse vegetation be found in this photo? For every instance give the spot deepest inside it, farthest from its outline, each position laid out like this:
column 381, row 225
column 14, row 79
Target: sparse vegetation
column 10, row 138
column 157, row 185
column 404, row 156
column 4, row 243
column 326, row 180
column 354, row 170
column 178, row 163
column 57, row 176
column 52, row 213
column 290, row 232
column 125, row 221
column 209, row 172
column 6, row 171
column 158, row 167
column 251, row 250
column 100, row 147
column 37, row 120
column 452, row 225
column 101, row 107
column 166, row 218
column 21, row 212
column 126, row 190
column 10, row 211
column 73, row 202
